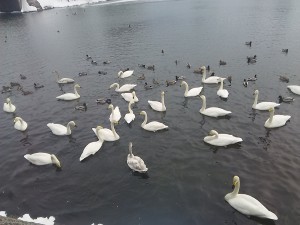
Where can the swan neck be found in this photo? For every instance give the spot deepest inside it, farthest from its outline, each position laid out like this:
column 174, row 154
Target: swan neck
column 130, row 150
column 186, row 88
column 75, row 91
column 203, row 105
column 271, row 116
column 255, row 100
column 68, row 129
column 163, row 101
column 129, row 107
column 117, row 87
column 145, row 120
column 221, row 86
column 204, row 75
column 112, row 111
column 112, row 126
column 236, row 189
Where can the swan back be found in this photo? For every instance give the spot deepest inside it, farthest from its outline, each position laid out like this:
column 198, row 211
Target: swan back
column 294, row 88
column 20, row 124
column 8, row 106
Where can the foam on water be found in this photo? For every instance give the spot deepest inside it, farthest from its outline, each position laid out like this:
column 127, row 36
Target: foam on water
column 3, row 213
column 65, row 3
column 40, row 220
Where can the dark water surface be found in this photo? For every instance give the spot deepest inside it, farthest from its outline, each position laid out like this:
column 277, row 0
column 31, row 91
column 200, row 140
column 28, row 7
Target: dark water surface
column 187, row 179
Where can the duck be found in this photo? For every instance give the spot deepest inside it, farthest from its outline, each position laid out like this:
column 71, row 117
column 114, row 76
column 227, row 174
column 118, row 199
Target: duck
column 229, row 78
column 102, row 72
column 125, row 74
column 294, row 88
column 223, row 93
column 70, row 96
column 107, row 134
column 198, row 71
column 37, row 85
column 6, row 89
column 217, row 139
column 262, row 105
column 115, row 115
column 64, row 80
column 130, row 97
column 25, row 92
column 61, row 130
column 148, row 86
column 23, row 77
column 249, row 43
column 190, row 93
column 285, row 50
column 20, row 124
column 153, row 125
column 142, row 77
column 92, row 147
column 155, row 82
column 82, row 107
column 103, row 101
column 176, row 62
column 124, row 88
column 252, row 78
column 151, row 67
column 285, row 99
column 208, row 68
column 135, row 162
column 158, row 106
column 188, row 66
column 88, row 57
column 142, row 65
column 276, row 120
column 42, row 158
column 129, row 117
column 170, row 82
column 94, row 62
column 177, row 78
column 246, row 204
column 15, row 84
column 222, row 63
column 106, row 62
column 251, row 60
column 82, row 74
column 8, row 106
column 284, row 79
column 251, row 57
column 245, row 83
column 212, row 111
column 209, row 80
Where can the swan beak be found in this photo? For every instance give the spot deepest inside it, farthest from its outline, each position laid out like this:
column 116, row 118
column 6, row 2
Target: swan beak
column 233, row 186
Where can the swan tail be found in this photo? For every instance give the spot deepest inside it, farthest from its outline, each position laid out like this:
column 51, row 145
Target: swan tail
column 271, row 216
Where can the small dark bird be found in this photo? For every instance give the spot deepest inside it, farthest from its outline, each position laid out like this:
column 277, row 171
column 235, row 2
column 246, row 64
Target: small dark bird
column 212, row 74
column 25, row 92
column 176, row 62
column 188, row 66
column 285, row 99
column 106, row 62
column 208, row 68
column 102, row 72
column 285, row 50
column 82, row 107
column 103, row 101
column 222, row 63
column 252, row 78
column 15, row 84
column 162, row 51
column 82, row 74
column 152, row 67
column 245, row 83
column 5, row 89
column 142, row 65
column 94, row 62
column 229, row 78
column 88, row 57
column 284, row 79
column 147, row 86
column 142, row 77
column 23, row 77
column 179, row 78
column 249, row 43
column 37, row 85
column 155, row 82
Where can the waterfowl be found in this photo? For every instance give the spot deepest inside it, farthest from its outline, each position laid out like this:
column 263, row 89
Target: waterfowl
column 285, row 99
column 134, row 162
column 223, row 93
column 162, row 51
column 102, row 72
column 217, row 139
column 262, row 105
column 198, row 71
column 229, row 78
column 285, row 50
column 82, row 107
column 103, row 101
column 23, row 77
column 245, row 83
column 88, row 57
column 15, row 84
column 251, row 60
column 41, row 158
column 106, row 62
column 294, row 88
column 70, row 96
column 209, row 80
column 82, row 74
column 246, row 204
column 107, row 134
column 60, row 130
column 142, row 65
column 252, row 78
column 125, row 87
column 62, row 80
column 130, row 97
column 94, row 62
column 115, row 115
column 208, row 68
column 188, row 66
column 177, row 78
column 155, row 82
column 276, row 120
column 222, row 63
column 151, row 67
column 125, row 74
column 158, row 106
column 170, row 82
column 251, row 57
column 8, row 106
column 153, row 125
column 129, row 117
column 92, row 147
column 37, row 85
column 212, row 111
column 249, row 43
column 142, row 77
column 20, row 124
column 284, row 79
column 176, row 62
column 190, row 93
column 25, row 92
column 5, row 89
column 147, row 86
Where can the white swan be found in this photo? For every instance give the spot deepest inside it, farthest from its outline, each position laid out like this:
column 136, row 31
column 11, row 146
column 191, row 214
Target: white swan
column 223, row 93
column 8, row 106
column 115, row 115
column 152, row 126
column 209, row 80
column 135, row 163
column 294, row 88
column 70, row 96
column 276, row 120
column 125, row 87
column 60, row 130
column 217, row 139
column 107, row 134
column 63, row 80
column 129, row 117
column 159, row 106
column 125, row 74
column 190, row 93
column 212, row 111
column 92, row 147
column 262, row 105
column 246, row 204
column 20, row 124
column 42, row 158
column 130, row 96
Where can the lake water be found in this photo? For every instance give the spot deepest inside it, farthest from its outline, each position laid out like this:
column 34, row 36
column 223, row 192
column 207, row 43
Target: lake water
column 187, row 179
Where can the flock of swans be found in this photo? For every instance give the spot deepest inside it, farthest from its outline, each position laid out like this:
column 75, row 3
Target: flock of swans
column 241, row 202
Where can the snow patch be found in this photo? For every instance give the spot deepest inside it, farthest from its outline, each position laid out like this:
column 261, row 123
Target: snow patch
column 40, row 220
column 26, row 7
column 3, row 213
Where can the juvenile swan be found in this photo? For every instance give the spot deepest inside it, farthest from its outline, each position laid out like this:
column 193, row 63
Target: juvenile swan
column 135, row 163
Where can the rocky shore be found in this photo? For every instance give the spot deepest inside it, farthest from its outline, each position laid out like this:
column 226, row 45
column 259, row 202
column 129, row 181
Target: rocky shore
column 11, row 221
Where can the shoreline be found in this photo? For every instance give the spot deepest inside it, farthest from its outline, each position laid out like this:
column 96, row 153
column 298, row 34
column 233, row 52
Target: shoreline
column 12, row 221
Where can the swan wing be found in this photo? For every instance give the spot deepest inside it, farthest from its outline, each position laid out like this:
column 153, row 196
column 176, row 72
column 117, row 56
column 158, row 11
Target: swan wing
column 136, row 163
column 7, row 108
column 91, row 149
column 117, row 115
column 127, row 96
column 194, row 92
column 266, row 105
column 223, row 93
column 157, row 106
column 294, row 88
column 39, row 158
column 67, row 96
column 212, row 80
column 21, row 126
column 107, row 135
column 215, row 112
column 126, row 87
column 129, row 117
column 57, row 129
column 65, row 80
column 127, row 73
column 154, row 126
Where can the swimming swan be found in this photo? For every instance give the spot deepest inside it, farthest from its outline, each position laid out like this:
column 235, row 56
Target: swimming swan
column 209, row 80
column 152, row 126
column 8, row 107
column 125, row 74
column 62, row 80
column 130, row 96
column 42, row 158
column 115, row 115
column 212, row 111
column 92, row 147
column 125, row 87
column 217, row 139
column 246, row 204
column 190, row 93
column 60, row 130
column 223, row 93
column 129, row 117
column 159, row 106
column 70, row 96
column 20, row 124
column 276, row 120
column 262, row 105
column 107, row 134
column 135, row 163
column 294, row 88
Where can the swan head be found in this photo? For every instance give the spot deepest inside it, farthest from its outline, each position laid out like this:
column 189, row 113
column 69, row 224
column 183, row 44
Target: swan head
column 203, row 97
column 72, row 124
column 113, row 85
column 8, row 100
column 203, row 68
column 183, row 83
column 111, row 106
column 162, row 93
column 17, row 119
column 143, row 113
column 256, row 92
column 120, row 73
column 55, row 161
column 271, row 109
column 77, row 86
column 213, row 132
column 235, row 181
